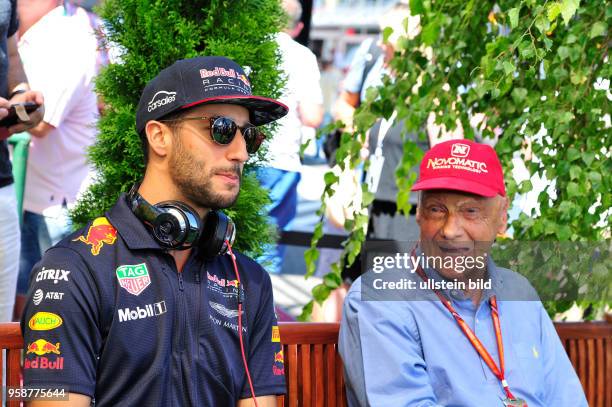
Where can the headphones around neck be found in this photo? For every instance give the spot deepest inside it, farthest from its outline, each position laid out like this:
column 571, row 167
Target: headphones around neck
column 177, row 226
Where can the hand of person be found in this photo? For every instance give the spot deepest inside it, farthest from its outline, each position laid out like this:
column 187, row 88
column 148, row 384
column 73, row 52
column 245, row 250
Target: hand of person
column 35, row 116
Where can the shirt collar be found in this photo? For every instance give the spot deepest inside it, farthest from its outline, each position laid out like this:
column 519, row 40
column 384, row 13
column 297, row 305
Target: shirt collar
column 134, row 233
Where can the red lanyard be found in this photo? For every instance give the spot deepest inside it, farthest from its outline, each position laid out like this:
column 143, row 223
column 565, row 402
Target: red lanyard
column 467, row 331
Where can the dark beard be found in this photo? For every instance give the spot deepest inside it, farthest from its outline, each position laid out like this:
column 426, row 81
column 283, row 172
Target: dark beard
column 194, row 179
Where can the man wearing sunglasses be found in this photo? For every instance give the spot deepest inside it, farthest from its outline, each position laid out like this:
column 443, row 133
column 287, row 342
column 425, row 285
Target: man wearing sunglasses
column 116, row 315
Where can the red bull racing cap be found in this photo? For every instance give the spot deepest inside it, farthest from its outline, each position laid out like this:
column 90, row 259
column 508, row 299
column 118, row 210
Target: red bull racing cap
column 462, row 165
column 203, row 80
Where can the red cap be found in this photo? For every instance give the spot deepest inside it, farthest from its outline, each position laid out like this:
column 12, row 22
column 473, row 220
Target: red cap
column 462, row 165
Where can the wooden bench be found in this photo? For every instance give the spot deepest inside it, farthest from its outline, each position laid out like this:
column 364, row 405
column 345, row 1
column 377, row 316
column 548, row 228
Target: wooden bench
column 314, row 370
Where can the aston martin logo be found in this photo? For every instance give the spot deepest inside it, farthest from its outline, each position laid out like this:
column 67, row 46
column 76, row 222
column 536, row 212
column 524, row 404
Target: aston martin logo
column 221, row 309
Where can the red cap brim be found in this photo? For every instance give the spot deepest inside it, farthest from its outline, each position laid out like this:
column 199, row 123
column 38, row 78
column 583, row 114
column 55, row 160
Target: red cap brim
column 455, row 184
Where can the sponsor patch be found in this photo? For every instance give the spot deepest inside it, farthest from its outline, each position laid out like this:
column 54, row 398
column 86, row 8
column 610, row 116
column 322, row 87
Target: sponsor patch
column 223, row 310
column 148, row 311
column 278, row 367
column 39, row 296
column 226, row 324
column 460, row 150
column 100, row 232
column 133, row 278
column 161, row 98
column 44, row 363
column 56, row 275
column 275, row 334
column 45, row 321
column 227, row 288
column 41, row 347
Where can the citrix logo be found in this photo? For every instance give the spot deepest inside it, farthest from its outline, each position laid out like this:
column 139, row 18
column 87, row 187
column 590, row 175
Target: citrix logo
column 149, row 310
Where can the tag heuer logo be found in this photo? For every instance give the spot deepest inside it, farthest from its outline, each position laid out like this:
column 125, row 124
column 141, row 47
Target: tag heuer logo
column 460, row 150
column 133, row 278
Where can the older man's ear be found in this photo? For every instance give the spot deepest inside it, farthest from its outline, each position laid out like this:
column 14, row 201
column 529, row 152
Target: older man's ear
column 504, row 204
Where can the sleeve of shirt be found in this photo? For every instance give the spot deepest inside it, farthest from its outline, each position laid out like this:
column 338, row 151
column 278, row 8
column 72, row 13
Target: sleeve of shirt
column 563, row 387
column 352, row 81
column 65, row 78
column 60, row 324
column 381, row 351
column 310, row 89
column 264, row 355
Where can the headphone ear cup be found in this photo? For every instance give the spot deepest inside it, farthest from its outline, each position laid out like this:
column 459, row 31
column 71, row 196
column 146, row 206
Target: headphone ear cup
column 218, row 227
column 178, row 227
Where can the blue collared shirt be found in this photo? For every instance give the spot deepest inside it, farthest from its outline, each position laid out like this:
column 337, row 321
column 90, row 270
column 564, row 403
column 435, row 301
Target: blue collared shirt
column 413, row 353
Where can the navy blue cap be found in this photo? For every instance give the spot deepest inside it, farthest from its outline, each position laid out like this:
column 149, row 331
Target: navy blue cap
column 203, row 80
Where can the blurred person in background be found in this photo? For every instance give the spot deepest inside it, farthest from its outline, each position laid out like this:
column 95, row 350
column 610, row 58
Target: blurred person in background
column 60, row 55
column 14, row 88
column 302, row 94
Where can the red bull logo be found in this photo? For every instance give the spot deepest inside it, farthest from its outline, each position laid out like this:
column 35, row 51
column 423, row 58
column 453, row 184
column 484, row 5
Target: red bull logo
column 278, row 357
column 41, row 347
column 221, row 281
column 42, row 362
column 99, row 233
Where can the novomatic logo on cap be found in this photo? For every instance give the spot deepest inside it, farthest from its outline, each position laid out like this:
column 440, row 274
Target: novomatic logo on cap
column 460, row 150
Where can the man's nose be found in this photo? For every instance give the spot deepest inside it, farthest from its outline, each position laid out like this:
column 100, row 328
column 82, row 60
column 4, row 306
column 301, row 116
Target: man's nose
column 237, row 150
column 452, row 228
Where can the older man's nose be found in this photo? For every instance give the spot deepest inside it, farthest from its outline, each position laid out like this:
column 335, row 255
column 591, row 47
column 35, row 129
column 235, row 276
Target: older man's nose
column 452, row 228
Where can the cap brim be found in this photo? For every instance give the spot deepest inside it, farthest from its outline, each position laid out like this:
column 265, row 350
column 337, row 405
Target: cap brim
column 455, row 184
column 262, row 110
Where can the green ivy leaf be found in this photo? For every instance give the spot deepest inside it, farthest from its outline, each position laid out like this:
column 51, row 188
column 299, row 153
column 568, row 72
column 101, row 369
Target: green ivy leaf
column 588, row 158
column 575, row 172
column 431, row 32
column 330, row 178
column 311, row 256
column 416, row 7
column 554, row 9
column 573, row 190
column 508, row 67
column 387, row 31
column 598, row 29
column 306, row 314
column 519, row 95
column 568, row 9
column 332, row 280
column 513, row 15
column 595, row 177
column 320, row 293
column 542, row 24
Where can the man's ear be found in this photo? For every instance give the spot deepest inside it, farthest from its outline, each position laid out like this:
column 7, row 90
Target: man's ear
column 159, row 137
column 503, row 208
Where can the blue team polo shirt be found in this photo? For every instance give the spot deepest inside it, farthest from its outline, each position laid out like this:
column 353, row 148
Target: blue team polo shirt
column 109, row 316
column 412, row 352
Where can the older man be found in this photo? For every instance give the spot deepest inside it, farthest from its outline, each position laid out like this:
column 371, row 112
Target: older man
column 456, row 332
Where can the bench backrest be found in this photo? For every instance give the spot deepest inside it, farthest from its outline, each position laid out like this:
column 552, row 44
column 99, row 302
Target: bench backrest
column 313, row 368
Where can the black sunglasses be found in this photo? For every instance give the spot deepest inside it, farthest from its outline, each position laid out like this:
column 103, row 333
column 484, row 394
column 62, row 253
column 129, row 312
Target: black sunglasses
column 223, row 130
